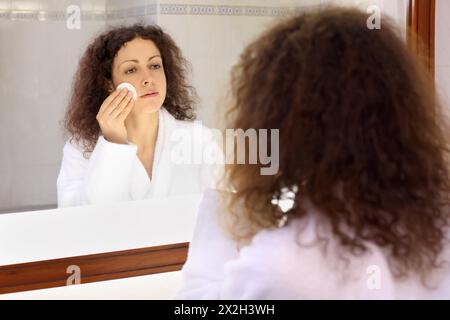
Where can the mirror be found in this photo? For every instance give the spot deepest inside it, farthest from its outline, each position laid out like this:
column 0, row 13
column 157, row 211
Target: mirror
column 42, row 44
column 43, row 41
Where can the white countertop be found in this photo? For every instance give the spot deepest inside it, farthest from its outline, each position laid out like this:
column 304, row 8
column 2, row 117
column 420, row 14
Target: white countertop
column 161, row 286
column 67, row 232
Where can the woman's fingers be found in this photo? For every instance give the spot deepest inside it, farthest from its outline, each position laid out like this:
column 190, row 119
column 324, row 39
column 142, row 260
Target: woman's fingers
column 107, row 102
column 116, row 102
column 121, row 106
column 110, row 116
column 107, row 108
column 126, row 111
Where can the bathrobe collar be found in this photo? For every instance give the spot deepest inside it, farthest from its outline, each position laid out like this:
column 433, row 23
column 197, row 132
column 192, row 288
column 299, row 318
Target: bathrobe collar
column 162, row 162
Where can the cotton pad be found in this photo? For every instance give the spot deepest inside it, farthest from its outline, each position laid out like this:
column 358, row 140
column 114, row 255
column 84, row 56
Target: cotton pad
column 129, row 87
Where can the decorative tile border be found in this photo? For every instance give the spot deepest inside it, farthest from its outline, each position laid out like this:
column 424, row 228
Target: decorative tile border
column 134, row 12
column 223, row 10
column 177, row 9
column 49, row 15
column 30, row 15
column 202, row 10
column 230, row 11
column 152, row 10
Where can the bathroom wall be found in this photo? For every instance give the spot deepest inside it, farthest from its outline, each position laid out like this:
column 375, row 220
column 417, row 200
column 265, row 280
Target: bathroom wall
column 120, row 12
column 213, row 33
column 443, row 51
column 38, row 57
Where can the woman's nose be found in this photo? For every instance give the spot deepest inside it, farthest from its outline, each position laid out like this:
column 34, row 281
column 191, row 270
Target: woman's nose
column 147, row 79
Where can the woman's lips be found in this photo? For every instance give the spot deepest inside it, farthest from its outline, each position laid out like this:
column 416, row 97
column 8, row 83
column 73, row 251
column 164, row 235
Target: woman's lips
column 150, row 95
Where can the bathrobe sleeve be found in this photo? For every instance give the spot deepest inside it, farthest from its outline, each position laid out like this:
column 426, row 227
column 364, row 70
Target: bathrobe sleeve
column 215, row 269
column 209, row 250
column 101, row 178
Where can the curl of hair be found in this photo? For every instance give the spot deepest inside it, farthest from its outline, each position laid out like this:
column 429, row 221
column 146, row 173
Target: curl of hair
column 362, row 136
column 94, row 76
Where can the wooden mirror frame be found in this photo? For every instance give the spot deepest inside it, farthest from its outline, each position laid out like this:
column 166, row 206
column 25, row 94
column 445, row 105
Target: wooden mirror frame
column 95, row 267
column 421, row 16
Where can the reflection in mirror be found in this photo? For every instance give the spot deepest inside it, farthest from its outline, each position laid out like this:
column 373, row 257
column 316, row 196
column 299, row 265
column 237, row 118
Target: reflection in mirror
column 46, row 40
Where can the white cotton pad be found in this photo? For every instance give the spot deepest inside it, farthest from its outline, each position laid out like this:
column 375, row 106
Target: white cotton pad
column 129, row 87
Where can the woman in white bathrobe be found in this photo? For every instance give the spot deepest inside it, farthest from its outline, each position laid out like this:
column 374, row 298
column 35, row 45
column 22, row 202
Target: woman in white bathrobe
column 360, row 206
column 122, row 147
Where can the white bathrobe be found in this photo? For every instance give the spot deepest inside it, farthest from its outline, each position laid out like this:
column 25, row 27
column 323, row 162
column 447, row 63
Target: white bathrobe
column 275, row 266
column 114, row 172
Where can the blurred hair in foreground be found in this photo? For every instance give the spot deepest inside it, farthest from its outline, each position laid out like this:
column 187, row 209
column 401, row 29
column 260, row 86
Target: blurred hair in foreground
column 362, row 136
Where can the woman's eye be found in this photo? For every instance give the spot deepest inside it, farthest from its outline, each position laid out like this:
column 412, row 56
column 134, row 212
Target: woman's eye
column 155, row 66
column 130, row 70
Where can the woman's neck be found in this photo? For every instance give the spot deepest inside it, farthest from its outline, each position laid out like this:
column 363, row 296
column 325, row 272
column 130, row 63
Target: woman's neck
column 143, row 130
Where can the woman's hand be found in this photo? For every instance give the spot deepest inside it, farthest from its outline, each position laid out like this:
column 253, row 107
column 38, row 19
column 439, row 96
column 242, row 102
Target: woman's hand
column 112, row 115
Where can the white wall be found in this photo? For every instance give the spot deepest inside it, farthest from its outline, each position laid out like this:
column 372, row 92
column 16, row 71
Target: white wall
column 122, row 12
column 37, row 63
column 443, row 51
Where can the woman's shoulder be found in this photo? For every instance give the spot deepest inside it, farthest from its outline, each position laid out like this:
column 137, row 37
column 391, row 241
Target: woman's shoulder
column 191, row 125
column 195, row 130
column 73, row 146
column 306, row 249
column 76, row 149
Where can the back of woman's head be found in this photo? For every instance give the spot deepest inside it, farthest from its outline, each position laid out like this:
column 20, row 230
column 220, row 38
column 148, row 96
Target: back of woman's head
column 361, row 135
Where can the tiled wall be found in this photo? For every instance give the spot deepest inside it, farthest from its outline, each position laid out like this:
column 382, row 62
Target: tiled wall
column 212, row 36
column 41, row 55
column 213, row 33
column 120, row 12
column 37, row 63
column 443, row 50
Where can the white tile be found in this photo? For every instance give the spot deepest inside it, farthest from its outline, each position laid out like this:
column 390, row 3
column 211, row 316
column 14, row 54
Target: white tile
column 5, row 190
column 5, row 171
column 33, row 185
column 37, row 69
column 443, row 84
column 442, row 33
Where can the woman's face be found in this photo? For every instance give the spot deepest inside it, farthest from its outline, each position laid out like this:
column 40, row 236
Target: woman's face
column 139, row 62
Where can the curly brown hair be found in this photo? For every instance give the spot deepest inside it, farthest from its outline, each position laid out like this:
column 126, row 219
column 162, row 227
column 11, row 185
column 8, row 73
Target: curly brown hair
column 362, row 136
column 94, row 75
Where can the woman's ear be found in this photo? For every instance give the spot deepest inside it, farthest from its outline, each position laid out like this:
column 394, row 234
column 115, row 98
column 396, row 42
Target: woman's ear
column 110, row 87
